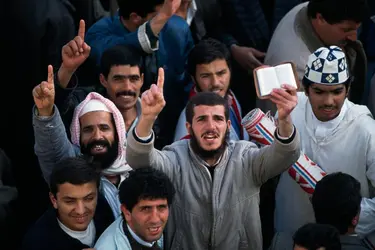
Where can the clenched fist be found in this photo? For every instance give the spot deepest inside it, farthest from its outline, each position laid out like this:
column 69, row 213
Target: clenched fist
column 44, row 95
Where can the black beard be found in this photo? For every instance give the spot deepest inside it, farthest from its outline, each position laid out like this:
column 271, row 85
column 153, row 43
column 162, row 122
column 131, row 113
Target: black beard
column 208, row 154
column 104, row 160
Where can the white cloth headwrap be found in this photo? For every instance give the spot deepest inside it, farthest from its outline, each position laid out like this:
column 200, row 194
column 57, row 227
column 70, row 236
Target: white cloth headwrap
column 96, row 102
column 93, row 105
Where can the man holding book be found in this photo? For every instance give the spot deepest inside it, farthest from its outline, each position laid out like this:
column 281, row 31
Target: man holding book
column 335, row 133
column 217, row 181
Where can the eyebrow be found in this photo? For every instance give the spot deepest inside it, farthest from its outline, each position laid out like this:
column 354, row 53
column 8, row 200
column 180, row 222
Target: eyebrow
column 74, row 198
column 322, row 90
column 93, row 125
column 125, row 76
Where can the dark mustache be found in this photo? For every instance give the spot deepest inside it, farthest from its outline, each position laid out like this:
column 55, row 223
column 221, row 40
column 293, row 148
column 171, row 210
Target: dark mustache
column 126, row 92
column 327, row 107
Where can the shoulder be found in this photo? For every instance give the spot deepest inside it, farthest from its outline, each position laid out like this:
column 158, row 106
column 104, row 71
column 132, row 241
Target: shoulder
column 45, row 228
column 282, row 241
column 113, row 237
column 105, row 22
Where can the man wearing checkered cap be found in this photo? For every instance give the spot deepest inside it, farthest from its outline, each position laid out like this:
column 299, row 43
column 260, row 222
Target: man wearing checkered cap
column 336, row 134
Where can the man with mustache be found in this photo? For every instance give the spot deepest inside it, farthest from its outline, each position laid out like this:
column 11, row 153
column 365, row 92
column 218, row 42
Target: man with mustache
column 210, row 69
column 146, row 196
column 97, row 131
column 121, row 77
column 217, row 181
column 315, row 24
column 335, row 133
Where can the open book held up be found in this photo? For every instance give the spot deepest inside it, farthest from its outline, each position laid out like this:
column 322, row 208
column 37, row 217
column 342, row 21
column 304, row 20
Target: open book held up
column 267, row 78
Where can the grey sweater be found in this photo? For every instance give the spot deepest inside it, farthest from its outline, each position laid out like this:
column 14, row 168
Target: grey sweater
column 220, row 213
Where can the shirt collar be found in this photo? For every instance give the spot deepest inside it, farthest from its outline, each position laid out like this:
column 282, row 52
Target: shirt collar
column 138, row 239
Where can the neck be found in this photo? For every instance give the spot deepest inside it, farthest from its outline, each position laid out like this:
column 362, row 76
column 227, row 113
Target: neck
column 129, row 116
column 128, row 25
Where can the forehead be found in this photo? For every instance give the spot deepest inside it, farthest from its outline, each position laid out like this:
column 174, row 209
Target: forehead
column 76, row 191
column 152, row 202
column 95, row 117
column 124, row 70
column 203, row 110
column 214, row 66
column 327, row 88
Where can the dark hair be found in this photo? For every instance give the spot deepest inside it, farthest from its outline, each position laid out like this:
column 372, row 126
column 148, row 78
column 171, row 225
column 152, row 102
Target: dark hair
column 337, row 200
column 120, row 55
column 207, row 99
column 307, row 83
column 145, row 183
column 74, row 170
column 141, row 7
column 336, row 11
column 207, row 51
column 314, row 236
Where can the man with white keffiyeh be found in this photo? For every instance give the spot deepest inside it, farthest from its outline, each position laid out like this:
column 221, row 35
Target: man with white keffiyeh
column 97, row 130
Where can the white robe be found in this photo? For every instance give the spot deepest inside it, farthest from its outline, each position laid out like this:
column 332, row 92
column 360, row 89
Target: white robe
column 347, row 145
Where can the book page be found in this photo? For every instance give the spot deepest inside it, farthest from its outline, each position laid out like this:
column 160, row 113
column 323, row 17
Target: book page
column 285, row 74
column 267, row 80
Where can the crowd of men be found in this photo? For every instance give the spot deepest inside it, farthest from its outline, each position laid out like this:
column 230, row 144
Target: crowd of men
column 139, row 139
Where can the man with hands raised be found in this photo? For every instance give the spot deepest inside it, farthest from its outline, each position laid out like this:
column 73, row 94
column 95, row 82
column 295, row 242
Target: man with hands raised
column 97, row 129
column 217, row 181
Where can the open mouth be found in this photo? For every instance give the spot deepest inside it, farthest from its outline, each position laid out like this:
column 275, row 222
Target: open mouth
column 126, row 97
column 98, row 149
column 210, row 137
column 154, row 230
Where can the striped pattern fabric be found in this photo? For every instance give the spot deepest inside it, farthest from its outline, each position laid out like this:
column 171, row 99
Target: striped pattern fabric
column 261, row 128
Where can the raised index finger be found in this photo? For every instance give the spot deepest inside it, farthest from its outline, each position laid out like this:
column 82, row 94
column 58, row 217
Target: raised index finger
column 81, row 29
column 160, row 79
column 50, row 75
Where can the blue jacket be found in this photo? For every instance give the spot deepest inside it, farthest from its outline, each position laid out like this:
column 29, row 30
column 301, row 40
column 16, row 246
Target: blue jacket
column 173, row 46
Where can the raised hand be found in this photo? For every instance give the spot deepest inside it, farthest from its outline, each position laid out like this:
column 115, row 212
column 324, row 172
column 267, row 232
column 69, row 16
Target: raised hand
column 153, row 99
column 170, row 7
column 285, row 99
column 44, row 94
column 76, row 51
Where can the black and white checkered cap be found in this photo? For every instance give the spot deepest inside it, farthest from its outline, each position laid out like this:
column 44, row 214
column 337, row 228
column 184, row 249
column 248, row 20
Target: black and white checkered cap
column 327, row 66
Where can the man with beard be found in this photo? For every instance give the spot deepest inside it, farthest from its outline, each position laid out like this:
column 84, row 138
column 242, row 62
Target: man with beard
column 315, row 24
column 217, row 181
column 209, row 68
column 336, row 134
column 97, row 130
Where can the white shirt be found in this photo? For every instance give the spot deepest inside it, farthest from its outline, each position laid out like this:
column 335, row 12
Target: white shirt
column 139, row 240
column 87, row 237
column 191, row 12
